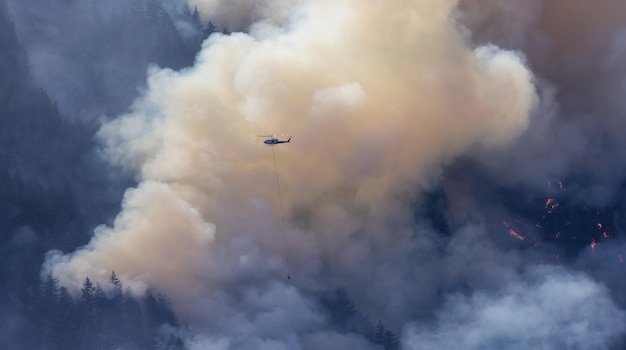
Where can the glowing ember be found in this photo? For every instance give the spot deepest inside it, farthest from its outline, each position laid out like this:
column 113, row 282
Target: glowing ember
column 605, row 235
column 560, row 185
column 551, row 204
column 593, row 244
column 516, row 235
column 512, row 232
column 599, row 226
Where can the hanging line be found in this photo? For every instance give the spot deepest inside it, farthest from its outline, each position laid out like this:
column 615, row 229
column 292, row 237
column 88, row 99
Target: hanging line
column 282, row 215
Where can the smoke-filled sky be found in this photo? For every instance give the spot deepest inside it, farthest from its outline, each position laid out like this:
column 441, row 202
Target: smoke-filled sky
column 384, row 101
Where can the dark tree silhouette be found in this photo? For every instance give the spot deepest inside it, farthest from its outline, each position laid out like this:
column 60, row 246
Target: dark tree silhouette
column 346, row 318
column 101, row 320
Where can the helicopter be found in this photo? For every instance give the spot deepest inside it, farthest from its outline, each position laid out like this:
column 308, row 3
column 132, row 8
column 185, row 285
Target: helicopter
column 273, row 140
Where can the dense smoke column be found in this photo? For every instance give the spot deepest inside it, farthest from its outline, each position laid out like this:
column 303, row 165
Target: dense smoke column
column 565, row 175
column 380, row 100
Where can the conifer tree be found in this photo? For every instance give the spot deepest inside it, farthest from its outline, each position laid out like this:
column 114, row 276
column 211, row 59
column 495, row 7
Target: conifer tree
column 379, row 335
column 117, row 288
column 390, row 341
column 50, row 288
column 87, row 292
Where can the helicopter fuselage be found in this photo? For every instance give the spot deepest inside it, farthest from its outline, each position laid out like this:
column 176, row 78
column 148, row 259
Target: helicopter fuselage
column 275, row 141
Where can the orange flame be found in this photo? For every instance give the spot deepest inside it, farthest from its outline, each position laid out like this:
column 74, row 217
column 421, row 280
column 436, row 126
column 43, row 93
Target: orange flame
column 551, row 204
column 512, row 232
column 516, row 235
column 593, row 244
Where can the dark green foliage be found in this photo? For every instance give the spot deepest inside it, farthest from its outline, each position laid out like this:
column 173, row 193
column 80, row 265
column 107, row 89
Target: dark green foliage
column 436, row 207
column 341, row 309
column 347, row 319
column 59, row 315
column 47, row 171
column 39, row 152
column 159, row 309
column 202, row 31
column 159, row 42
column 385, row 337
column 15, row 60
column 209, row 29
column 101, row 52
column 44, row 157
column 102, row 320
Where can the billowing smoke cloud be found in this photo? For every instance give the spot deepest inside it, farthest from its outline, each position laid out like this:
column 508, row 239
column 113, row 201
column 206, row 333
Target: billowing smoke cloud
column 379, row 98
column 547, row 309
column 576, row 50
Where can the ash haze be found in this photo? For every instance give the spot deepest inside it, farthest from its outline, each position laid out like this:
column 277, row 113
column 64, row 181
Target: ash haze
column 455, row 170
column 396, row 94
column 91, row 56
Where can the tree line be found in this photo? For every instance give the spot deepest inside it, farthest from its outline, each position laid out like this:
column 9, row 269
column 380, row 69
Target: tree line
column 99, row 319
column 346, row 318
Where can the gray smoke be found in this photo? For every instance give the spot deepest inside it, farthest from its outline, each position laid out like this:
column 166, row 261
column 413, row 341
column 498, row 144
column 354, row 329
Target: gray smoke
column 546, row 308
column 381, row 100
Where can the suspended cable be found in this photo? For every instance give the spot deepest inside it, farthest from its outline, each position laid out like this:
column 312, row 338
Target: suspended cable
column 282, row 215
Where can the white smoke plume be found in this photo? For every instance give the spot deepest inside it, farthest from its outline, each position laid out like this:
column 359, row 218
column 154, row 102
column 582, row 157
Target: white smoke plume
column 378, row 97
column 546, row 309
